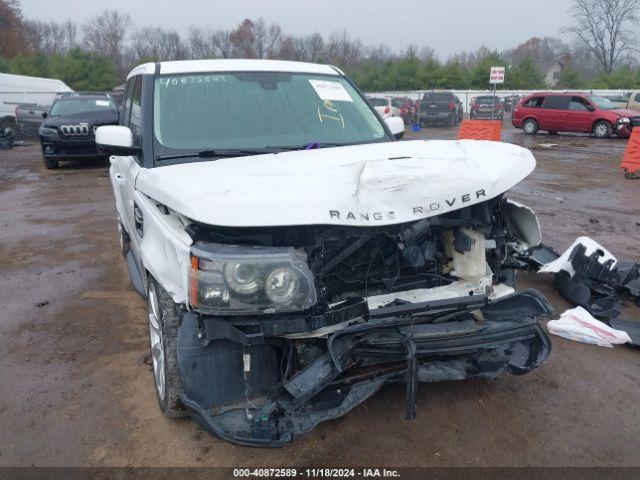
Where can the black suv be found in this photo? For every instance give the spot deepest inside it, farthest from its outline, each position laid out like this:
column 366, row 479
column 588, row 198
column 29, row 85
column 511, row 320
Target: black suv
column 67, row 131
column 439, row 107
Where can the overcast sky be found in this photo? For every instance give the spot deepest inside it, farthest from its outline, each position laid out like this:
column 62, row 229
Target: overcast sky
column 448, row 26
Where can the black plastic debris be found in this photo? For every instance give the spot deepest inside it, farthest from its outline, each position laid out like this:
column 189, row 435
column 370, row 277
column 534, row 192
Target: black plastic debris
column 594, row 284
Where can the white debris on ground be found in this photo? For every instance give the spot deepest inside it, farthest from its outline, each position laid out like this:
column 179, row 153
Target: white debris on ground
column 579, row 325
column 563, row 263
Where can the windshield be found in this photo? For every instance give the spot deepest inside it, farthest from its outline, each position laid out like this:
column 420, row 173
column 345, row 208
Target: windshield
column 379, row 102
column 438, row 97
column 257, row 110
column 487, row 101
column 604, row 103
column 74, row 106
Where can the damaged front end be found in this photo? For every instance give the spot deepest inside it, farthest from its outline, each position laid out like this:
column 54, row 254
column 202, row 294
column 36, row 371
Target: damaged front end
column 288, row 327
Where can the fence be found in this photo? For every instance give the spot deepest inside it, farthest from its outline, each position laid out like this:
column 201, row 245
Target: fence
column 465, row 96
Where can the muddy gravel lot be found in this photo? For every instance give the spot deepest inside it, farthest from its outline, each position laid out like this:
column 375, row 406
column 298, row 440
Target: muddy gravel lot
column 76, row 389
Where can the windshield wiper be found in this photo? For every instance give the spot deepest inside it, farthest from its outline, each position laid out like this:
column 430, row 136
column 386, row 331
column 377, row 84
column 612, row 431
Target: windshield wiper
column 220, row 153
column 316, row 145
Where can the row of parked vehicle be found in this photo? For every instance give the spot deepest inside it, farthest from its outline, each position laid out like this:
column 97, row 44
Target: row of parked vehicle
column 443, row 108
column 433, row 108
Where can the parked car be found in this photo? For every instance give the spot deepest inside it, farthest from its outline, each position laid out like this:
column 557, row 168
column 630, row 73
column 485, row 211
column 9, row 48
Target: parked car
column 439, row 107
column 573, row 112
column 385, row 106
column 29, row 118
column 406, row 106
column 67, row 131
column 293, row 264
column 20, row 89
column 509, row 102
column 620, row 101
column 634, row 101
column 486, row 107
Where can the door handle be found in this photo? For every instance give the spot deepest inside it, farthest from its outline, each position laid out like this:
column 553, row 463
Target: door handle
column 119, row 178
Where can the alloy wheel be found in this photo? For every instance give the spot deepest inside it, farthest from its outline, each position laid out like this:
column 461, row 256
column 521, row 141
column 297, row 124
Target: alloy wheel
column 155, row 340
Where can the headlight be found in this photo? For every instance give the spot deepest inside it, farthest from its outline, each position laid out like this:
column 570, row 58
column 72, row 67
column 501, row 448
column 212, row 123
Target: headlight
column 47, row 131
column 228, row 280
column 624, row 120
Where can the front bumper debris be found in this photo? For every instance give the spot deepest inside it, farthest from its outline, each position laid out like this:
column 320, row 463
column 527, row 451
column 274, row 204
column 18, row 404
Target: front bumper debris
column 238, row 383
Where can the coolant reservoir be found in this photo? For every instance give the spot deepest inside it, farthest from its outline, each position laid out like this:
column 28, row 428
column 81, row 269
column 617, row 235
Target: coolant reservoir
column 469, row 265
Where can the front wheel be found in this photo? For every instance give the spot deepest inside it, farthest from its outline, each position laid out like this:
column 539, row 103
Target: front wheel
column 530, row 126
column 602, row 129
column 163, row 339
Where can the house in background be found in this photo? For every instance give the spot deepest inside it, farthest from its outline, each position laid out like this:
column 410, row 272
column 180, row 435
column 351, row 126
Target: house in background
column 555, row 69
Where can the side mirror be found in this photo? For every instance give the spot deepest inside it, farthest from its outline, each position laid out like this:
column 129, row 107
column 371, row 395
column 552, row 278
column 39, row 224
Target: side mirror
column 116, row 140
column 45, row 114
column 591, row 108
column 396, row 125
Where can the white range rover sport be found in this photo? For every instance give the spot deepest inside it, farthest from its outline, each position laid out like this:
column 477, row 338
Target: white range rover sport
column 295, row 256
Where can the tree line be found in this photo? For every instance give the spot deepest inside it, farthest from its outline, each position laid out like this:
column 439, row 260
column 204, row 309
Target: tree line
column 96, row 53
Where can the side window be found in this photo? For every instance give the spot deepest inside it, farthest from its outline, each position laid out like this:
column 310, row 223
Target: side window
column 135, row 120
column 637, row 97
column 126, row 105
column 578, row 104
column 556, row 102
column 534, row 102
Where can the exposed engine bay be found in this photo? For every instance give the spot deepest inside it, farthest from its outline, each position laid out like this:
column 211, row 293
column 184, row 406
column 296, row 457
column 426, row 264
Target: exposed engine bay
column 423, row 301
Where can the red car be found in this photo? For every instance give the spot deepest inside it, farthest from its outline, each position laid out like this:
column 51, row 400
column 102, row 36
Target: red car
column 573, row 112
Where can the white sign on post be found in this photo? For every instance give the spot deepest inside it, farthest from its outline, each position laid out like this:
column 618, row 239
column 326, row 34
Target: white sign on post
column 497, row 75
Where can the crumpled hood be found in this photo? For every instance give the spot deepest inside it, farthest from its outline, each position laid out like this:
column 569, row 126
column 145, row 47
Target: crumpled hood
column 623, row 112
column 363, row 185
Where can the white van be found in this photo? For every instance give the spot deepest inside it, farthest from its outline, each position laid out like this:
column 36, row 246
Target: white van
column 19, row 89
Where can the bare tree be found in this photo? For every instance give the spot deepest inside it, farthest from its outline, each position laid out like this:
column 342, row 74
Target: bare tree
column 379, row 53
column 267, row 38
column 603, row 27
column 310, row 48
column 343, row 51
column 158, row 44
column 106, row 34
column 51, row 37
column 209, row 44
column 221, row 40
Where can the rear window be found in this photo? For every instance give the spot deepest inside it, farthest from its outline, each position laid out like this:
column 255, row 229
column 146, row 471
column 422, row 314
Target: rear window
column 378, row 102
column 557, row 102
column 397, row 102
column 534, row 102
column 487, row 100
column 438, row 96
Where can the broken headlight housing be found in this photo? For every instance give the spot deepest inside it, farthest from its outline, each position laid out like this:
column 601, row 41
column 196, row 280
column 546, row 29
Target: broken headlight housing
column 227, row 280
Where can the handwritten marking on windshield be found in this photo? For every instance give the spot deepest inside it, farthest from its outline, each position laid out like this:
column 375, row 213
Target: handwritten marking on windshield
column 190, row 80
column 334, row 115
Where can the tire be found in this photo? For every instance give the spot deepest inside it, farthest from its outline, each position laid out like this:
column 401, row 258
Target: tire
column 125, row 241
column 452, row 121
column 602, row 129
column 163, row 340
column 49, row 162
column 530, row 126
column 8, row 122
